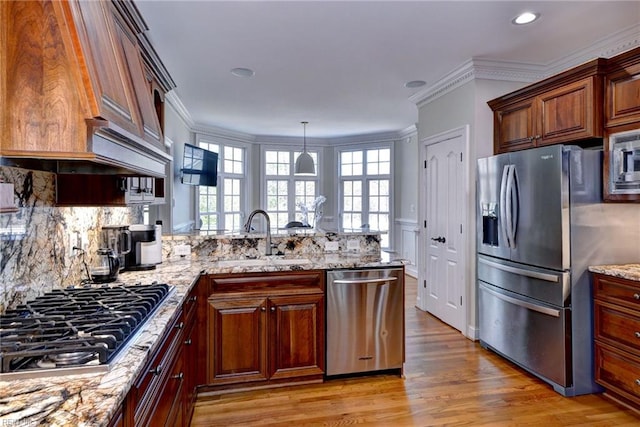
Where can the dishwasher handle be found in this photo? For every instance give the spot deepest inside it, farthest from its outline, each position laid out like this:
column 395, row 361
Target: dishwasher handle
column 359, row 281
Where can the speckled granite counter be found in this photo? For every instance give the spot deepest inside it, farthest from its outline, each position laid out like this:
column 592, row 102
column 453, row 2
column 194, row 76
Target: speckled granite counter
column 625, row 271
column 92, row 399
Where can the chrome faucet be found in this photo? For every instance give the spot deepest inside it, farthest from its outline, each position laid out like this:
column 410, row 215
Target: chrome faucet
column 247, row 228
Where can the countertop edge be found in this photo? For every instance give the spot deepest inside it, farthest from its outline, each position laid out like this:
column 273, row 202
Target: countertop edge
column 624, row 271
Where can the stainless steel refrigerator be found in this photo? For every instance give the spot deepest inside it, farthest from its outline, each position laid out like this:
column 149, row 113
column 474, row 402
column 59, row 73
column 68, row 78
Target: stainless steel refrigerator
column 540, row 224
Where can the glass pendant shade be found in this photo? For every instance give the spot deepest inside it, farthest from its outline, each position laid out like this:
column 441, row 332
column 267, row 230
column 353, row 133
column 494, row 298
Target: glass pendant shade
column 304, row 163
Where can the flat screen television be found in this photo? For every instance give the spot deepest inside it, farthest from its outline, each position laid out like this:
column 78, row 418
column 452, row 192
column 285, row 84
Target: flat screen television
column 199, row 166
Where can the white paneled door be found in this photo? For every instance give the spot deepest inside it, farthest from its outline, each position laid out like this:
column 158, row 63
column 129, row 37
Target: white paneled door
column 443, row 251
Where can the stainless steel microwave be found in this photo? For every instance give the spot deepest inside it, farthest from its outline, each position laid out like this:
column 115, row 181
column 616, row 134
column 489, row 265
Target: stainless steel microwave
column 624, row 166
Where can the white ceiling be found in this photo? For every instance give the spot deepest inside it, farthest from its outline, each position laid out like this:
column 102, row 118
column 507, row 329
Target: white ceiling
column 342, row 65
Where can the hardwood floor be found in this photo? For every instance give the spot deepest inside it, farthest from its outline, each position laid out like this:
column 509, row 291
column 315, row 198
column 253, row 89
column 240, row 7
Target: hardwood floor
column 449, row 380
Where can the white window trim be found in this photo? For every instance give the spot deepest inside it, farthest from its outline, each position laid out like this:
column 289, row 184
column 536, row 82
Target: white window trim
column 222, row 175
column 291, row 178
column 365, row 178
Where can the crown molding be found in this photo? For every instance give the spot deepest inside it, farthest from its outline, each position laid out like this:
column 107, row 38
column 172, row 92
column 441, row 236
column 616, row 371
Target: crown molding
column 217, row 132
column 176, row 103
column 614, row 44
column 481, row 68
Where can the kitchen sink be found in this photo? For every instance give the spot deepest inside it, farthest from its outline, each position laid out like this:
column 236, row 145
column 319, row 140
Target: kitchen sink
column 257, row 262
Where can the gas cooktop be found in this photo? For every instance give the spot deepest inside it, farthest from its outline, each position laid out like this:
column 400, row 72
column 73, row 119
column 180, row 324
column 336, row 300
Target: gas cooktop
column 74, row 330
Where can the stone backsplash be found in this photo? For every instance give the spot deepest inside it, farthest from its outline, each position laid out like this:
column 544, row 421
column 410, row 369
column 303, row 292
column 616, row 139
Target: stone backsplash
column 35, row 256
column 34, row 242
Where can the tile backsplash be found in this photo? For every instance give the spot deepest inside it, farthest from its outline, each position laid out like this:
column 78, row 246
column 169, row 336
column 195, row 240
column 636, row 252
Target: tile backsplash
column 34, row 242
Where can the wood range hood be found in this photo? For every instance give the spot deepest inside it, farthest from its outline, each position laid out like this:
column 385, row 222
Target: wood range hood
column 83, row 89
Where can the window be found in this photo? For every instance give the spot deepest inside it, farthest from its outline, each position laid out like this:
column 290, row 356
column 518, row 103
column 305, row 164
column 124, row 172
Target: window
column 284, row 191
column 221, row 208
column 365, row 189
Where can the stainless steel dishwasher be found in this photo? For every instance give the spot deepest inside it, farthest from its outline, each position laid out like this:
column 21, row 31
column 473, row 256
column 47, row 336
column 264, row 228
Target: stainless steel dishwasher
column 365, row 320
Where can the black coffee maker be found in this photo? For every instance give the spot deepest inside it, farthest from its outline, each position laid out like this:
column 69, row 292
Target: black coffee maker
column 146, row 247
column 105, row 267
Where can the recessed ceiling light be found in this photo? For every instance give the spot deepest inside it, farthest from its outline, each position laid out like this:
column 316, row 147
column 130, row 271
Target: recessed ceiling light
column 242, row 72
column 525, row 18
column 415, row 83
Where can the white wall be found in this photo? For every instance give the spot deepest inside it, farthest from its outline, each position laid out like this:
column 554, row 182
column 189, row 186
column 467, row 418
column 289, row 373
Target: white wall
column 405, row 226
column 179, row 207
column 465, row 105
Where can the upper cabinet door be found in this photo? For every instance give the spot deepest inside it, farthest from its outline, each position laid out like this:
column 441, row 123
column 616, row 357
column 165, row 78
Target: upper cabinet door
column 149, row 120
column 514, row 126
column 571, row 112
column 104, row 57
column 623, row 93
column 118, row 84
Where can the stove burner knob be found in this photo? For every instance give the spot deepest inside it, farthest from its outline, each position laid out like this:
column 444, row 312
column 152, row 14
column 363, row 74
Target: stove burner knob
column 156, row 371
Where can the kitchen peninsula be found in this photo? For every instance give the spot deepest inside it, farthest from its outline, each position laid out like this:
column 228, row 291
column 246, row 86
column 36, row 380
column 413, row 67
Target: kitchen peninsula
column 97, row 399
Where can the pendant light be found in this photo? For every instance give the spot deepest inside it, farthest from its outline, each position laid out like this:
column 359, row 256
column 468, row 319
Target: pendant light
column 304, row 162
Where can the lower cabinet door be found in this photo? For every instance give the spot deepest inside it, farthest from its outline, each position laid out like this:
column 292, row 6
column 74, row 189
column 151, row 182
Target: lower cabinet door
column 239, row 339
column 296, row 325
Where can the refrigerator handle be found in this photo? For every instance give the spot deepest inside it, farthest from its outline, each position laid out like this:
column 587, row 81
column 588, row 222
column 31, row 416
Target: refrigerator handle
column 512, row 205
column 503, row 205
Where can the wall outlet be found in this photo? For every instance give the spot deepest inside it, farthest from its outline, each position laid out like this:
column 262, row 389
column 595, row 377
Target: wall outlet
column 353, row 245
column 182, row 250
column 331, row 246
column 74, row 240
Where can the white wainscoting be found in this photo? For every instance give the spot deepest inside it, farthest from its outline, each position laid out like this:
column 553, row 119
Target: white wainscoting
column 406, row 243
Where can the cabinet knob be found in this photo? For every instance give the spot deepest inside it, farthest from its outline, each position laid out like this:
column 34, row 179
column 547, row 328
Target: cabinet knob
column 180, row 325
column 188, row 342
column 263, row 308
column 273, row 309
column 637, row 334
column 636, row 296
column 156, row 371
column 193, row 298
column 638, row 381
column 178, row 376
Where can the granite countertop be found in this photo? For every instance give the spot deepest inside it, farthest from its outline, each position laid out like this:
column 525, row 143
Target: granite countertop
column 625, row 271
column 92, row 399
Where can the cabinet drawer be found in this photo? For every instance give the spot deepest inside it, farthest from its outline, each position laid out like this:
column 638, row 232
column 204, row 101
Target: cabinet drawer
column 617, row 290
column 145, row 391
column 618, row 372
column 618, row 326
column 303, row 282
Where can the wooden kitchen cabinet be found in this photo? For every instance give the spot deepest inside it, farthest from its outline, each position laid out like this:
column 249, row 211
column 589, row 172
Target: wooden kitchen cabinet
column 193, row 351
column 165, row 392
column 153, row 397
column 114, row 190
column 75, row 88
column 265, row 329
column 617, row 337
column 563, row 108
column 622, row 90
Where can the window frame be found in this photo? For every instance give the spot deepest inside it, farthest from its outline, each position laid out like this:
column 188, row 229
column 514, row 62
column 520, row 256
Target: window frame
column 366, row 179
column 291, row 179
column 222, row 175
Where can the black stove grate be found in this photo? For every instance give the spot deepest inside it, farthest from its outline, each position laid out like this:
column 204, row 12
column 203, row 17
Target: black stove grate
column 75, row 326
